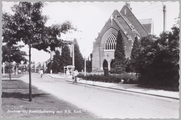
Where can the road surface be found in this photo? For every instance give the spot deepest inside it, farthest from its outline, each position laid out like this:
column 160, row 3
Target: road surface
column 107, row 103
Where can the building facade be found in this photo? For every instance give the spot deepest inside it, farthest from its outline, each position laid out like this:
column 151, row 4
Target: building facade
column 129, row 26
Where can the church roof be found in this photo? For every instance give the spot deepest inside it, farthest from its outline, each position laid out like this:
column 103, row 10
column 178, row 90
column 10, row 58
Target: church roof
column 128, row 14
column 128, row 23
column 125, row 21
column 147, row 23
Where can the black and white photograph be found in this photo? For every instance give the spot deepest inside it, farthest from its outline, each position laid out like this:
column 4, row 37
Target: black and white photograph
column 90, row 59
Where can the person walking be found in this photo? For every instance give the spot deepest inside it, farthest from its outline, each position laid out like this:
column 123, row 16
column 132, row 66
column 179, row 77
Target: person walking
column 67, row 72
column 41, row 73
column 74, row 76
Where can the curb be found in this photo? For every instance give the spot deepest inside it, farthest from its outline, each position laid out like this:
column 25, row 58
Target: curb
column 125, row 90
column 134, row 91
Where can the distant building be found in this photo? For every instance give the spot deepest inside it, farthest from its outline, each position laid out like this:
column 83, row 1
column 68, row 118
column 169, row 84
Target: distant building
column 130, row 27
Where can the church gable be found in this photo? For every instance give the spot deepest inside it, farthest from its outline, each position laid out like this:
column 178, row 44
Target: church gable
column 125, row 26
column 109, row 24
column 127, row 13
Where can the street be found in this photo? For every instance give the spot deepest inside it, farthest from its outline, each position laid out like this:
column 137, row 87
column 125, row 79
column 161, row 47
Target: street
column 106, row 103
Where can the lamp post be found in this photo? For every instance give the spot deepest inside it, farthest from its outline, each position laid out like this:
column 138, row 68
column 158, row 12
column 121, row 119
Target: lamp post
column 73, row 55
column 84, row 66
column 84, row 62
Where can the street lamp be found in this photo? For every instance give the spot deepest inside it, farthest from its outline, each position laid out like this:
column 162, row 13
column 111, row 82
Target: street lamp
column 84, row 62
column 73, row 55
column 84, row 66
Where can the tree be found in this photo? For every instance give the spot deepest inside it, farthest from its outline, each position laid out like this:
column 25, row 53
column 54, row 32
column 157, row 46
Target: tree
column 145, row 57
column 119, row 55
column 88, row 65
column 29, row 27
column 134, row 54
column 167, row 60
column 27, row 24
column 66, row 59
column 158, row 59
column 79, row 61
column 12, row 54
column 10, row 50
column 57, row 62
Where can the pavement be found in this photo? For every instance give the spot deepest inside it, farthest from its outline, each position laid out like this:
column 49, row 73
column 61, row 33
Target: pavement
column 123, row 87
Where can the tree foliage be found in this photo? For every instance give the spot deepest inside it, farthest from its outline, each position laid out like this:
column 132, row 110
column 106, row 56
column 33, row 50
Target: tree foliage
column 157, row 61
column 66, row 59
column 119, row 55
column 27, row 24
column 57, row 62
column 119, row 51
column 10, row 49
column 79, row 61
column 13, row 53
column 134, row 54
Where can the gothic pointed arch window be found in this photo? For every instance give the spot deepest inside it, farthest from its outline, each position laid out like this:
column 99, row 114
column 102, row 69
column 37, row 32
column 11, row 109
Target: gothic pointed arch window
column 110, row 42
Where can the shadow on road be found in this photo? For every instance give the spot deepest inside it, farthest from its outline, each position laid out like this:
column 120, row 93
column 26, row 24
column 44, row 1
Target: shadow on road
column 20, row 95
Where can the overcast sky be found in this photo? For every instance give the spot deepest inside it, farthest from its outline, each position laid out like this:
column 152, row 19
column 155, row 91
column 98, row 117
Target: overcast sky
column 90, row 17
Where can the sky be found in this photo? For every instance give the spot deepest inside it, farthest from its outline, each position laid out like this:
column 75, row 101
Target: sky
column 90, row 17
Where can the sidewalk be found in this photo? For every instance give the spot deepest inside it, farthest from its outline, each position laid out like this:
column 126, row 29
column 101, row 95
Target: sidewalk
column 124, row 87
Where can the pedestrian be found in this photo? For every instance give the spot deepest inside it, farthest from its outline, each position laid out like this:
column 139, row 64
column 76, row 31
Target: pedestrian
column 74, row 76
column 41, row 73
column 67, row 72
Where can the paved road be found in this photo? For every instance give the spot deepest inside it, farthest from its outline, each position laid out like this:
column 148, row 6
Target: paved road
column 106, row 103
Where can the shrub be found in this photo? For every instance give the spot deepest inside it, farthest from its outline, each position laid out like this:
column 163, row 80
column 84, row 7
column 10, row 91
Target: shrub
column 117, row 70
column 158, row 60
column 115, row 78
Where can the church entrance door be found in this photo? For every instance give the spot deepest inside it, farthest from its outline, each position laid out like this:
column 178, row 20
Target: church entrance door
column 105, row 67
column 105, row 64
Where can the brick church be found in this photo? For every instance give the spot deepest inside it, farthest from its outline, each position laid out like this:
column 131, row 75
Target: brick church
column 130, row 27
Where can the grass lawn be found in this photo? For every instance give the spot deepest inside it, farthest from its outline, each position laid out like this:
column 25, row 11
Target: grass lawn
column 16, row 104
column 12, row 76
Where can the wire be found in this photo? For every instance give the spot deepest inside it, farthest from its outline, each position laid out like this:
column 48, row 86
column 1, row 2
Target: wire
column 142, row 8
column 147, row 9
column 150, row 8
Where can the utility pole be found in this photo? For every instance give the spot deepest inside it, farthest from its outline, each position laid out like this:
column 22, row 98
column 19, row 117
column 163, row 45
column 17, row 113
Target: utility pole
column 84, row 66
column 73, row 55
column 164, row 21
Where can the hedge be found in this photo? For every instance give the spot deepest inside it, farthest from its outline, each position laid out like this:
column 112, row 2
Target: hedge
column 116, row 78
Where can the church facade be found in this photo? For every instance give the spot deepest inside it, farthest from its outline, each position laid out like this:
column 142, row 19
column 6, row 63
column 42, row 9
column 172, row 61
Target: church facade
column 129, row 26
